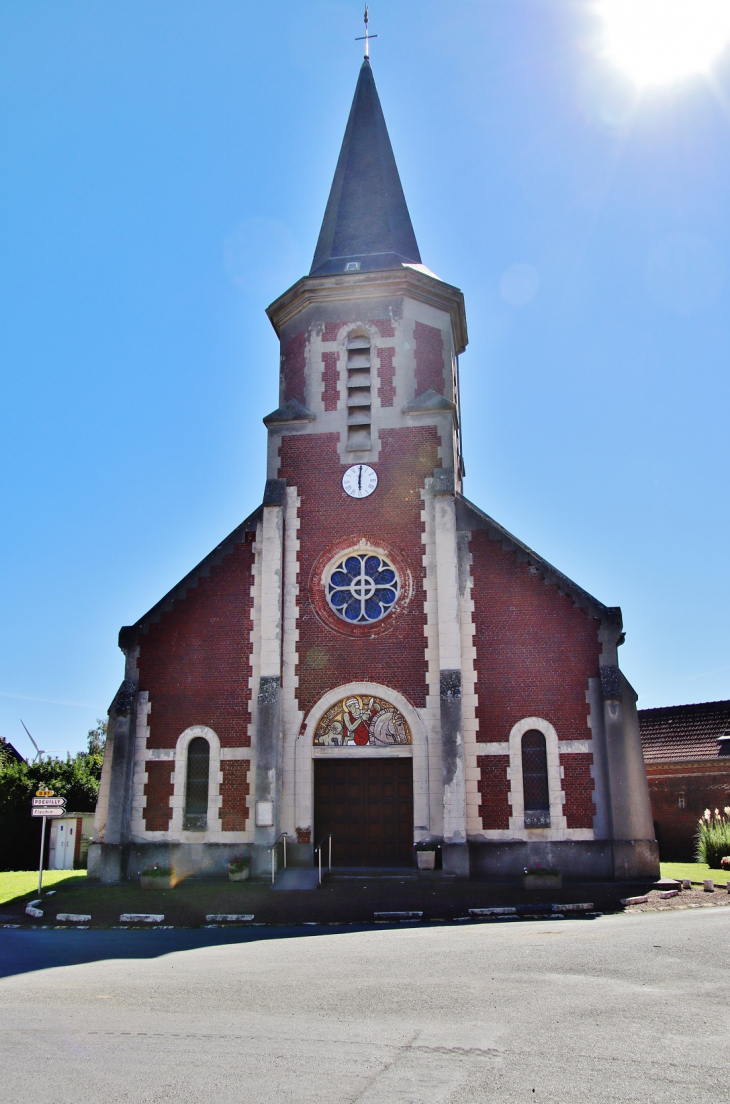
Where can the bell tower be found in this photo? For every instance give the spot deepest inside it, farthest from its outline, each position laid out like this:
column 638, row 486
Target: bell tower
column 370, row 338
column 364, row 454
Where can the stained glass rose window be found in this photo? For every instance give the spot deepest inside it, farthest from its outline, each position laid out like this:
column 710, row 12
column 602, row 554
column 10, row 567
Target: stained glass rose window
column 362, row 587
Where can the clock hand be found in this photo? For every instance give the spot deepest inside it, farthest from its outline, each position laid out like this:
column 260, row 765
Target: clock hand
column 359, row 478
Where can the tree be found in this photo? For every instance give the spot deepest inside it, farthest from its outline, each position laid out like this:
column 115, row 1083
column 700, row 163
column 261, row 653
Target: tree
column 76, row 779
column 97, row 737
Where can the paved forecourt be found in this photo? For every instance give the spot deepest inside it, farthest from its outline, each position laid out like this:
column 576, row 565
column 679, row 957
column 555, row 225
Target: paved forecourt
column 620, row 1008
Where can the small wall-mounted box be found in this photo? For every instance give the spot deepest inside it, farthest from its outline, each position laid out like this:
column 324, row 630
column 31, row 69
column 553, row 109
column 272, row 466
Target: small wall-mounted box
column 264, row 814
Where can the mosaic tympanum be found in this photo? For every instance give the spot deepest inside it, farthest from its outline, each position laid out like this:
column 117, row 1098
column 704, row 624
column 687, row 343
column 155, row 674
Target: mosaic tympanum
column 362, row 721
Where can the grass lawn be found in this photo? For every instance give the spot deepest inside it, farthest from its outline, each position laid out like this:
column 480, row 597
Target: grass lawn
column 696, row 872
column 24, row 883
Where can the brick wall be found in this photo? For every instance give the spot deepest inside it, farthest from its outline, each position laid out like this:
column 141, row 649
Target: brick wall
column 234, row 790
column 703, row 783
column 195, row 665
column 535, row 654
column 429, row 358
column 579, row 808
column 332, row 654
column 158, row 791
column 535, row 650
column 294, row 368
column 494, row 791
column 386, row 375
column 330, row 379
column 331, row 330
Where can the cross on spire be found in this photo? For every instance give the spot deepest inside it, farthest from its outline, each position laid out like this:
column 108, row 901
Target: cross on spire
column 367, row 36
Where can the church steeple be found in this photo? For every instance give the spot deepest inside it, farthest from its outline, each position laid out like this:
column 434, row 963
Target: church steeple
column 366, row 223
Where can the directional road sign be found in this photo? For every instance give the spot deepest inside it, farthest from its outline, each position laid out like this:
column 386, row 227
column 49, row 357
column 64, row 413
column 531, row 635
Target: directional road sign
column 47, row 802
column 45, row 812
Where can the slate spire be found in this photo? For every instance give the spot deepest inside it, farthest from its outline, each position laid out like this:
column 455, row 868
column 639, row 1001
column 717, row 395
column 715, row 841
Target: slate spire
column 366, row 221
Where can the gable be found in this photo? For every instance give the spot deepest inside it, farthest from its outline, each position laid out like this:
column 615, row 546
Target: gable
column 129, row 634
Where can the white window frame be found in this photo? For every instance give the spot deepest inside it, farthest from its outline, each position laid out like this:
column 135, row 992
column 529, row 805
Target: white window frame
column 177, row 800
column 558, row 821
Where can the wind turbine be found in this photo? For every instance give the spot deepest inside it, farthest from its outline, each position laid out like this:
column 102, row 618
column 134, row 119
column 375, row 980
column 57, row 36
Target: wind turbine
column 40, row 753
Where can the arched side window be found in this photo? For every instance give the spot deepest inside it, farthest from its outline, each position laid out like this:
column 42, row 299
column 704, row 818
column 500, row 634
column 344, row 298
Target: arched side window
column 195, row 818
column 535, row 780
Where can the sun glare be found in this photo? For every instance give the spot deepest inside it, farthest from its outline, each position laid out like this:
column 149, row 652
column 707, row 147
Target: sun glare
column 658, row 41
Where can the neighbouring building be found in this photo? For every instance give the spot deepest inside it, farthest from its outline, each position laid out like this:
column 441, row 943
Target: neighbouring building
column 69, row 841
column 687, row 756
column 369, row 654
column 9, row 753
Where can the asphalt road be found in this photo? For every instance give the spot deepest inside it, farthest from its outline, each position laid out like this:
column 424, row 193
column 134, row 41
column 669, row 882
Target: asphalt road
column 621, row 1008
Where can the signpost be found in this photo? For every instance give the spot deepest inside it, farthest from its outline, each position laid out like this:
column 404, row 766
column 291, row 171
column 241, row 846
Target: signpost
column 45, row 804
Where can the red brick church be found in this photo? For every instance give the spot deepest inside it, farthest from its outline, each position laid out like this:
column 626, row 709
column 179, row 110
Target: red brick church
column 370, row 655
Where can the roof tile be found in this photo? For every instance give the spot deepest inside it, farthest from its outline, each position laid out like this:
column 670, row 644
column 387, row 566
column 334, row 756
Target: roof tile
column 677, row 733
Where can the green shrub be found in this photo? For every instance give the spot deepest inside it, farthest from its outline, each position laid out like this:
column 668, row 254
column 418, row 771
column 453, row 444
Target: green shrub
column 76, row 779
column 713, row 837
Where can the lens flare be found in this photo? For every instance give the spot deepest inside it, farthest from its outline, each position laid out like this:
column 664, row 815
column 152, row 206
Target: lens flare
column 659, row 41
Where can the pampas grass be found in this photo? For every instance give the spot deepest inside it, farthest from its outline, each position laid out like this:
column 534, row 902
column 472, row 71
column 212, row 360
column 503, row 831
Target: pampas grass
column 713, row 837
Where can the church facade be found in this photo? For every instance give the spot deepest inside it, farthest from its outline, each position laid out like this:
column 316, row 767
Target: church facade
column 369, row 656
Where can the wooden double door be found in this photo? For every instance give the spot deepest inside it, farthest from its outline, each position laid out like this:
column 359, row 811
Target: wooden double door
column 367, row 805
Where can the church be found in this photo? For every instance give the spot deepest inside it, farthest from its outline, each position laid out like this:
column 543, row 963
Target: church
column 370, row 658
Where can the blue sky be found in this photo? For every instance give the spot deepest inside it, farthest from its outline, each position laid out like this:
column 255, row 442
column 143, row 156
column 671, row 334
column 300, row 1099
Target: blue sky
column 165, row 168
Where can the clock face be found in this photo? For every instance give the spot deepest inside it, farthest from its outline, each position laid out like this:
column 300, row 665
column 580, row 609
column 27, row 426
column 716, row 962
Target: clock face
column 359, row 481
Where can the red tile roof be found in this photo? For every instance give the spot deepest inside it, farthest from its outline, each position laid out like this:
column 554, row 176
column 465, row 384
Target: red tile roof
column 677, row 733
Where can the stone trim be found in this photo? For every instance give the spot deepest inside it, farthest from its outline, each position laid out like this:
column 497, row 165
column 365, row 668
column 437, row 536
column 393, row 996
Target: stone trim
column 516, row 791
column 291, row 713
column 433, row 672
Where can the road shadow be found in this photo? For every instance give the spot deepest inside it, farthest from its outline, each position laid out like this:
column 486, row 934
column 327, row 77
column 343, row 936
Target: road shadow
column 26, row 951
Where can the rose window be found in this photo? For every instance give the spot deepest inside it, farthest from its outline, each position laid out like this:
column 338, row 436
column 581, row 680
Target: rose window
column 362, row 587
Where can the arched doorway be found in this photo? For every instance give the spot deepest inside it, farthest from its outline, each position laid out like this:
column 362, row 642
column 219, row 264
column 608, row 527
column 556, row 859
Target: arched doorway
column 361, row 752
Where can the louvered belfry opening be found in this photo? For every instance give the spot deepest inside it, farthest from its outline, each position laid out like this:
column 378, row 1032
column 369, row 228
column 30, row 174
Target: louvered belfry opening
column 196, row 786
column 358, row 392
column 535, row 780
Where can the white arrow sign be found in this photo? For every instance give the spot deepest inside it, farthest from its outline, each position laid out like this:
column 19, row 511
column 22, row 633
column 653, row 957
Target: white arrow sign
column 45, row 812
column 48, row 801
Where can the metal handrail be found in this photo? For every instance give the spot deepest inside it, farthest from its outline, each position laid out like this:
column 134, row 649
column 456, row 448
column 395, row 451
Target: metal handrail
column 272, row 850
column 318, row 850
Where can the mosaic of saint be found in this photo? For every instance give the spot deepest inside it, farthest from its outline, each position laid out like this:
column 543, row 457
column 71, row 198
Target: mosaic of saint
column 360, row 721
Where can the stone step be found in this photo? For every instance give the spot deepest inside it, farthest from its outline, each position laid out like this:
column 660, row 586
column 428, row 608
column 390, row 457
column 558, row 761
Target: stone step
column 294, row 877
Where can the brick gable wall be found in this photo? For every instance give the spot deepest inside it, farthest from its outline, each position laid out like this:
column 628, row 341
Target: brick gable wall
column 195, row 665
column 535, row 650
column 390, row 518
column 535, row 654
